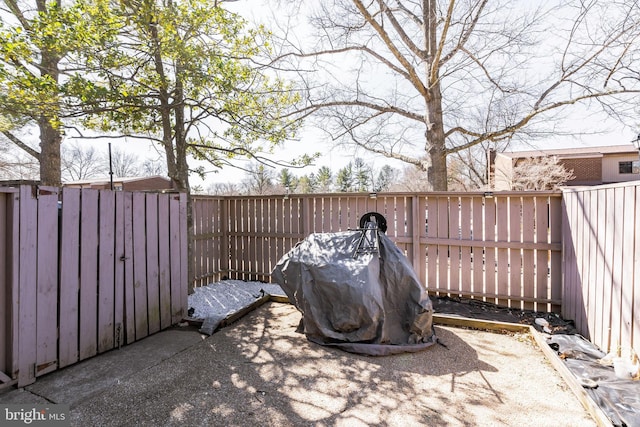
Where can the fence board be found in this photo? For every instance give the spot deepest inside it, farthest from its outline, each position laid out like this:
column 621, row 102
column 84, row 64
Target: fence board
column 583, row 289
column 129, row 270
column 590, row 237
column 616, row 291
column 27, row 287
column 151, row 246
column 477, row 251
column 205, row 255
column 88, row 274
column 119, row 271
column 198, row 252
column 489, row 221
column 106, row 269
column 261, row 217
column 182, row 261
column 542, row 266
column 454, row 252
column 608, row 271
column 13, row 234
column 601, row 270
column 281, row 241
column 515, row 254
column 528, row 255
column 422, row 224
column 5, row 285
column 466, row 225
column 432, row 250
column 47, row 285
column 224, row 241
column 555, row 233
column 443, row 250
column 414, row 225
column 627, row 260
column 175, row 270
column 164, row 261
column 69, row 277
column 635, row 333
column 140, row 267
column 502, row 235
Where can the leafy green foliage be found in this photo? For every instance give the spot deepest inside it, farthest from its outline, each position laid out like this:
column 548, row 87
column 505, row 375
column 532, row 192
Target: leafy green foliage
column 30, row 87
column 187, row 74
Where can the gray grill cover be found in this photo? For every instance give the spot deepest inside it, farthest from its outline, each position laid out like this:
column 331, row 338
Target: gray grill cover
column 372, row 303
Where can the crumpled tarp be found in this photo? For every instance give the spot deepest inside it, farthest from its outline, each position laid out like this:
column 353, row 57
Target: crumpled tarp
column 218, row 301
column 370, row 302
column 618, row 398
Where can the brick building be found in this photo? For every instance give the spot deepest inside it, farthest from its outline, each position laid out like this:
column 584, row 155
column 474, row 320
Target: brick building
column 590, row 165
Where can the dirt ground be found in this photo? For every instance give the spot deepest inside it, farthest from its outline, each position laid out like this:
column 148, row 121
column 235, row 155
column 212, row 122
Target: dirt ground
column 260, row 372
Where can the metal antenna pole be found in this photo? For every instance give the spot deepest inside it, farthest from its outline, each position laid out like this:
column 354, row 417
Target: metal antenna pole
column 110, row 169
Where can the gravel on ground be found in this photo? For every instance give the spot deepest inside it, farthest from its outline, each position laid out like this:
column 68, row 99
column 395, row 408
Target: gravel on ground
column 259, row 371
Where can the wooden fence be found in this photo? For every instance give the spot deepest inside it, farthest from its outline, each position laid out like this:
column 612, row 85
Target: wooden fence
column 85, row 271
column 601, row 249
column 503, row 248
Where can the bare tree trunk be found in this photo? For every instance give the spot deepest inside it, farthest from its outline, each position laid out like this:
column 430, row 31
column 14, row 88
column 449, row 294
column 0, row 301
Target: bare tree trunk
column 434, row 121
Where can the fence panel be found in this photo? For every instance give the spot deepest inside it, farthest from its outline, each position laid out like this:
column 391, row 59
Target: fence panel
column 503, row 248
column 601, row 253
column 101, row 288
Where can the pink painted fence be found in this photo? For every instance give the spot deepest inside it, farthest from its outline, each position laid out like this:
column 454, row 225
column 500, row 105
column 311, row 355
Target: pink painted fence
column 601, row 241
column 85, row 271
column 505, row 248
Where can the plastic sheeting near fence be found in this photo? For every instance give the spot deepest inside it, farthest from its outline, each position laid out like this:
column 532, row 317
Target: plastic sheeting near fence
column 619, row 398
column 363, row 299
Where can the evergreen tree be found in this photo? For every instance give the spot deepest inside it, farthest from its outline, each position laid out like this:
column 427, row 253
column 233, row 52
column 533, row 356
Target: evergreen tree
column 344, row 179
column 324, row 179
column 386, row 177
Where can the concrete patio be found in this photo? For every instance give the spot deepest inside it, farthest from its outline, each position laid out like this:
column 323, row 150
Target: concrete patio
column 259, row 371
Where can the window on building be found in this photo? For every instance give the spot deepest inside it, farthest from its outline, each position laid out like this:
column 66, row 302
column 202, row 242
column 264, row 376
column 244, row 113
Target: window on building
column 629, row 167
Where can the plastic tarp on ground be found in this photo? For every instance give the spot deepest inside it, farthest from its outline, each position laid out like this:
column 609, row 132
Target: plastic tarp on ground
column 362, row 301
column 619, row 398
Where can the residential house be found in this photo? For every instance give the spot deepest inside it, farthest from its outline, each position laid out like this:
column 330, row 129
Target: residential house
column 590, row 165
column 147, row 183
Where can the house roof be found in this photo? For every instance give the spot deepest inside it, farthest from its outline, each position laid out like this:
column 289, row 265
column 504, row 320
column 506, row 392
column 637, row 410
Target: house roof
column 115, row 180
column 574, row 152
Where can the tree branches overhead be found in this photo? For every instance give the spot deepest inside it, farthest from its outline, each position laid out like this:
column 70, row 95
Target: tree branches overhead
column 449, row 75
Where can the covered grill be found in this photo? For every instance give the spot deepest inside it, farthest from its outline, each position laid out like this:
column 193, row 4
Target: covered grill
column 357, row 291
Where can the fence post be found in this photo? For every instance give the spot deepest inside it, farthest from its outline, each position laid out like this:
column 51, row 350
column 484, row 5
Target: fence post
column 9, row 286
